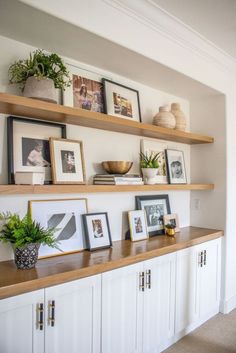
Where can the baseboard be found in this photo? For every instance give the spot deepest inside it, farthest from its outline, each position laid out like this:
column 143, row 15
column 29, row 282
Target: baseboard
column 228, row 305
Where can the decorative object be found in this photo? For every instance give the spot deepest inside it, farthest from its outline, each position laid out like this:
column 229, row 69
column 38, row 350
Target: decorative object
column 29, row 178
column 170, row 229
column 40, row 75
column 64, row 215
column 97, row 230
column 172, row 219
column 25, row 236
column 179, row 117
column 121, row 101
column 155, row 206
column 117, row 179
column 149, row 165
column 67, row 161
column 164, row 118
column 28, row 146
column 150, row 147
column 176, row 167
column 138, row 225
column 117, row 167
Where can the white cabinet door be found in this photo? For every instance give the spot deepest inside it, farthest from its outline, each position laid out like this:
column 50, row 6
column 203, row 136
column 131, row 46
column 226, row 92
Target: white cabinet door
column 19, row 331
column 77, row 316
column 122, row 310
column 159, row 303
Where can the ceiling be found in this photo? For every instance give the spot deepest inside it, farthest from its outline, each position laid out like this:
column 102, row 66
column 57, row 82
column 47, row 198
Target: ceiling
column 213, row 19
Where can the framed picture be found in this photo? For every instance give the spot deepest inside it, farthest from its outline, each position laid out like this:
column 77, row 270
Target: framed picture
column 121, row 101
column 172, row 219
column 67, row 161
column 28, row 146
column 138, row 225
column 155, row 206
column 97, row 230
column 86, row 91
column 176, row 167
column 65, row 216
column 150, row 147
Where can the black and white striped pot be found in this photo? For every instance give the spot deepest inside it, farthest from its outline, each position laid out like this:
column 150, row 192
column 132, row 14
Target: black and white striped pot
column 27, row 256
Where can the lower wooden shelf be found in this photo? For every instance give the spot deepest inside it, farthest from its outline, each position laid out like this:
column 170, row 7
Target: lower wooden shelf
column 77, row 189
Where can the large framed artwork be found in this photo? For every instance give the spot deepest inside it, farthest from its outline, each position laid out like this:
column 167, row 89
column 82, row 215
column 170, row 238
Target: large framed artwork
column 155, row 206
column 65, row 216
column 86, row 91
column 176, row 167
column 28, row 146
column 121, row 101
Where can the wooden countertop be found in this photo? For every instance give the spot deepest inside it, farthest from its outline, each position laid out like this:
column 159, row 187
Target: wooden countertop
column 60, row 269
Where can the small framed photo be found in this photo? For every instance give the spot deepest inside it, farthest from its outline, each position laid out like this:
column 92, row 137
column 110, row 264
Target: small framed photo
column 28, row 146
column 176, row 167
column 67, row 161
column 155, row 206
column 121, row 101
column 138, row 225
column 65, row 216
column 172, row 219
column 86, row 91
column 97, row 230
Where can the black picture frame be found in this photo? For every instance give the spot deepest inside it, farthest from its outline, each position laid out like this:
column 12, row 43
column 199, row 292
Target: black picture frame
column 175, row 159
column 154, row 215
column 10, row 140
column 105, row 82
column 89, row 243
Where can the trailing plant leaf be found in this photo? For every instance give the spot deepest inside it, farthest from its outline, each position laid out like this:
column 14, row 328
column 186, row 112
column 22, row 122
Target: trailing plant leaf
column 149, row 161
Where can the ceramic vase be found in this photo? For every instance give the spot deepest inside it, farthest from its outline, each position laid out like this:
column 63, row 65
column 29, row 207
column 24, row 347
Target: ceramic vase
column 164, row 118
column 40, row 88
column 179, row 117
column 26, row 256
column 149, row 175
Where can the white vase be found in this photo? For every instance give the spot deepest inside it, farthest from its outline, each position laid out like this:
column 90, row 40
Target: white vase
column 40, row 88
column 149, row 175
column 179, row 117
column 164, row 118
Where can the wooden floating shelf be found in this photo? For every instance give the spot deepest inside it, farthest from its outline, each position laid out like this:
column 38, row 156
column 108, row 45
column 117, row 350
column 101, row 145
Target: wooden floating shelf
column 77, row 189
column 26, row 107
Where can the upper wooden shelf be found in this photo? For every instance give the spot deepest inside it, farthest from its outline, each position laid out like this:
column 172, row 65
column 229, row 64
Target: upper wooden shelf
column 26, row 107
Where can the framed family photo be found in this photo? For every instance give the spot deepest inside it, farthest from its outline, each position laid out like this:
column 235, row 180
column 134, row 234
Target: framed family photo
column 121, row 101
column 67, row 161
column 176, row 167
column 138, row 225
column 65, row 216
column 28, row 146
column 172, row 219
column 155, row 206
column 97, row 230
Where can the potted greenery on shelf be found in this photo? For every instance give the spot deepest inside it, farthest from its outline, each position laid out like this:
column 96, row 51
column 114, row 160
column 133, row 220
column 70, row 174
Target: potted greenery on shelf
column 149, row 165
column 40, row 75
column 25, row 236
column 170, row 229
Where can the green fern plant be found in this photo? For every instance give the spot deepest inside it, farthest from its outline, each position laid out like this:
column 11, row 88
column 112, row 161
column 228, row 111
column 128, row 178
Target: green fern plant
column 149, row 161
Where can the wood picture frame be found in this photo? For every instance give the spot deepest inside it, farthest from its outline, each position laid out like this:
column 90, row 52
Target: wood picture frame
column 172, row 219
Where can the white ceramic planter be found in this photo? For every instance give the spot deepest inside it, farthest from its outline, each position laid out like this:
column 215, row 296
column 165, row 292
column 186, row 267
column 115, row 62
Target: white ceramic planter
column 149, row 175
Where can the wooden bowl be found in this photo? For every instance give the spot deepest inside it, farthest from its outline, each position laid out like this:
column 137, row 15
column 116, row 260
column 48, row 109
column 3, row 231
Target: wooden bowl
column 117, row 167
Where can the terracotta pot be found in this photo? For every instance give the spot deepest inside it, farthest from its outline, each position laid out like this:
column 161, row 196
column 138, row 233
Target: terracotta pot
column 149, row 175
column 164, row 118
column 26, row 257
column 179, row 117
column 40, row 88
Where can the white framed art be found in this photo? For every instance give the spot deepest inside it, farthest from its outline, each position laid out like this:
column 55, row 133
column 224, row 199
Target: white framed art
column 176, row 167
column 138, row 225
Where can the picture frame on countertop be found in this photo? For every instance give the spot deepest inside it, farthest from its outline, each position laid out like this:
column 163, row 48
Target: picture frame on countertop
column 172, row 219
column 28, row 146
column 176, row 167
column 138, row 225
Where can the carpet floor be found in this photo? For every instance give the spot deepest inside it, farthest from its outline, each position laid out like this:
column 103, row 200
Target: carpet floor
column 218, row 335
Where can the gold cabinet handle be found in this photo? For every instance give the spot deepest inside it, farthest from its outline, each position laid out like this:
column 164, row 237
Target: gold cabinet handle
column 40, row 314
column 51, row 315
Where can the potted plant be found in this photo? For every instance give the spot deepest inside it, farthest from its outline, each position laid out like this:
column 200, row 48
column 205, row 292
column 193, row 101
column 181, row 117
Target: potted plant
column 170, row 229
column 149, row 165
column 40, row 75
column 25, row 236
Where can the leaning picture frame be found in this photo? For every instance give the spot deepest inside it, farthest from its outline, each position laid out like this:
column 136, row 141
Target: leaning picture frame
column 172, row 219
column 138, row 225
column 176, row 167
column 28, row 146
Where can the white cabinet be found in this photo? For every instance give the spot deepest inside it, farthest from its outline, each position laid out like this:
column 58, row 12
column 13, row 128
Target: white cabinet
column 20, row 328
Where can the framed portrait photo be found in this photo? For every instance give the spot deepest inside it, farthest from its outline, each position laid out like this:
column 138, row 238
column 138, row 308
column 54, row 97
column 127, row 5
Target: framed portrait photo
column 67, row 161
column 86, row 91
column 172, row 219
column 28, row 146
column 121, row 101
column 138, row 225
column 176, row 167
column 155, row 207
column 150, row 147
column 97, row 230
column 65, row 216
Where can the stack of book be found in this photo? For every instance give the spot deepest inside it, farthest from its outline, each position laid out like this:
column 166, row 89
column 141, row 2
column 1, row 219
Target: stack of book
column 117, row 179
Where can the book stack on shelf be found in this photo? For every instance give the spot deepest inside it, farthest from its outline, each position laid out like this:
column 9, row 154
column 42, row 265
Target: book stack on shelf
column 117, row 179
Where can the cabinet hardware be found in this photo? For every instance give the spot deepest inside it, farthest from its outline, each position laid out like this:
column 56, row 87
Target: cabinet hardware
column 200, row 259
column 141, row 281
column 205, row 258
column 40, row 311
column 51, row 316
column 148, row 279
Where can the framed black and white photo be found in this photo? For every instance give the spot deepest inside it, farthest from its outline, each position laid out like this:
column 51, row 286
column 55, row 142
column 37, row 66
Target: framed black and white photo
column 138, row 225
column 155, row 206
column 67, row 161
column 28, row 146
column 172, row 219
column 176, row 167
column 65, row 216
column 97, row 230
column 121, row 101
